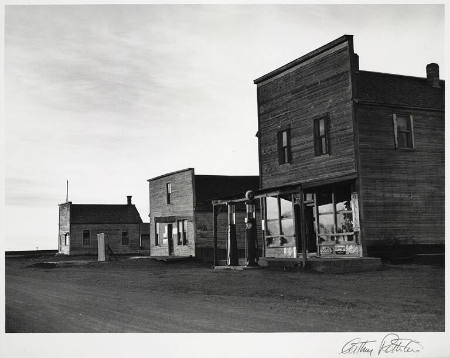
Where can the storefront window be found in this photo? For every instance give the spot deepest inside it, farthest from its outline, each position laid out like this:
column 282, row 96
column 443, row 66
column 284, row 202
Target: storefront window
column 280, row 221
column 273, row 223
column 287, row 217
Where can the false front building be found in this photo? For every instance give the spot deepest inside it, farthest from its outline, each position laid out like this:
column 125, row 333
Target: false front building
column 181, row 212
column 351, row 162
column 79, row 225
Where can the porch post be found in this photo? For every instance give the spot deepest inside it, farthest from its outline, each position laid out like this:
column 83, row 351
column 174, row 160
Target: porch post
column 302, row 226
column 215, row 232
column 232, row 250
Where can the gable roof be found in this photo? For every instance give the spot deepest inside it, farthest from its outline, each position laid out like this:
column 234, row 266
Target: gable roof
column 209, row 187
column 386, row 88
column 104, row 214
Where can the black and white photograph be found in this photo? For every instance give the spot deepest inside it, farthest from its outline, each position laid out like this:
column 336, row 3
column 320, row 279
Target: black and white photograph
column 270, row 173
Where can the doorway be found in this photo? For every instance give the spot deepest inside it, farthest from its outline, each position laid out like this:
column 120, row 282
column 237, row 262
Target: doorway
column 170, row 238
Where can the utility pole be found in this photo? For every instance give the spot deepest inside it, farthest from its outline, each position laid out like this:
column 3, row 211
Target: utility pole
column 67, row 190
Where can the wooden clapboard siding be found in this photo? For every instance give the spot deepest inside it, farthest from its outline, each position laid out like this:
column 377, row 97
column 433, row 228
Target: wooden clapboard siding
column 321, row 85
column 113, row 234
column 402, row 190
column 181, row 205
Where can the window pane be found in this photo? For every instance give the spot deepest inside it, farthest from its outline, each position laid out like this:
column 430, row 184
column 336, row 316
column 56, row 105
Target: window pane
column 285, row 155
column 321, row 127
column 324, row 145
column 344, row 222
column 284, row 134
column 402, row 123
column 287, row 216
column 403, row 140
column 326, row 224
column 273, row 227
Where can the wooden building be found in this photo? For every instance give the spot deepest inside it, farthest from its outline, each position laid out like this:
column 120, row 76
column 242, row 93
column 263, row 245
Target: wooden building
column 351, row 162
column 181, row 212
column 79, row 225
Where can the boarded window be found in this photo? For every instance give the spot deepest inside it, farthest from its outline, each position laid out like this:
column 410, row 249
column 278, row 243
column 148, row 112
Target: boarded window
column 168, row 192
column 86, row 238
column 284, row 146
column 125, row 240
column 321, row 142
column 403, row 131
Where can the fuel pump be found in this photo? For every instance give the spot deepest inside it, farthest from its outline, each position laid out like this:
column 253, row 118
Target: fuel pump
column 250, row 229
column 232, row 249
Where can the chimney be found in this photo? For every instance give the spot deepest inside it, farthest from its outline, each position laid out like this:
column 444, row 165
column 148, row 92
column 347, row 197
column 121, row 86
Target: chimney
column 129, row 199
column 433, row 74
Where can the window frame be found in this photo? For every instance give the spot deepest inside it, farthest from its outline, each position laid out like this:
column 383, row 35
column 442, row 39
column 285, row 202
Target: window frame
column 410, row 121
column 318, row 138
column 182, row 234
column 284, row 149
column 88, row 237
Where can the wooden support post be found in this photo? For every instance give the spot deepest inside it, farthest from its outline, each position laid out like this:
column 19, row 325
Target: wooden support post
column 302, row 227
column 215, row 233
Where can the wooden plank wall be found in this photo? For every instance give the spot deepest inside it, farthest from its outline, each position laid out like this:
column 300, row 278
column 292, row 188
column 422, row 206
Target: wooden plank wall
column 402, row 191
column 318, row 87
column 181, row 204
column 112, row 231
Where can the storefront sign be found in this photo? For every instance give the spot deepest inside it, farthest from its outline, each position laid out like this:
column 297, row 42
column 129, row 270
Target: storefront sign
column 352, row 249
column 340, row 250
column 326, row 250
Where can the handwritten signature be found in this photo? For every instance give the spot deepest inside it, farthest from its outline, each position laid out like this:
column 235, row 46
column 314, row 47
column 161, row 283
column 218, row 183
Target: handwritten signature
column 391, row 343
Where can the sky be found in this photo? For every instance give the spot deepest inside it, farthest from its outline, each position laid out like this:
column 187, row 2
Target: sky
column 108, row 96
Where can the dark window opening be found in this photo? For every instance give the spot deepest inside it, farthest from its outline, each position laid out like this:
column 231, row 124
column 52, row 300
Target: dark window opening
column 86, row 238
column 321, row 145
column 125, row 240
column 181, row 232
column 403, row 131
column 284, row 146
column 168, row 192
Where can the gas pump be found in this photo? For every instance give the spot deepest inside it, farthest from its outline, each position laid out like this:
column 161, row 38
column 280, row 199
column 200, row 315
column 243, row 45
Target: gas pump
column 250, row 229
column 232, row 249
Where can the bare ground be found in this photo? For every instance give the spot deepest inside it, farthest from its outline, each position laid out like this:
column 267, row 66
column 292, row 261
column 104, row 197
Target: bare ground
column 148, row 296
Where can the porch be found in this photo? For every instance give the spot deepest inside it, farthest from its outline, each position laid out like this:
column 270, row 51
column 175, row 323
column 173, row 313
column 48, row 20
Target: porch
column 311, row 225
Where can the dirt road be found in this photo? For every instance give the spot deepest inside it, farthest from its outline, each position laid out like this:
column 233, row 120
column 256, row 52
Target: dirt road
column 148, row 296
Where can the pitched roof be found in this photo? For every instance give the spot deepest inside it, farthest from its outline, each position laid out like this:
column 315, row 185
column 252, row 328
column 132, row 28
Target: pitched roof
column 209, row 187
column 386, row 88
column 104, row 214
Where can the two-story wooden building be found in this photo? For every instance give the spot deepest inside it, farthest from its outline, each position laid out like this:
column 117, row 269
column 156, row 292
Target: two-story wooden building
column 351, row 162
column 181, row 213
column 79, row 225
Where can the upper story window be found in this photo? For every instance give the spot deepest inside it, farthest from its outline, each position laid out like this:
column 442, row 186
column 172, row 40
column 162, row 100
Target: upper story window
column 125, row 240
column 86, row 238
column 168, row 192
column 403, row 131
column 321, row 129
column 284, row 146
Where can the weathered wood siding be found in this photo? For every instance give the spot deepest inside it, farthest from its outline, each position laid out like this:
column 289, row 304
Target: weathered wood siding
column 319, row 86
column 181, row 205
column 64, row 227
column 114, row 236
column 402, row 191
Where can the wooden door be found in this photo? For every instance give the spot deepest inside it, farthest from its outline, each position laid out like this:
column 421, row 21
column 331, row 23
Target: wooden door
column 170, row 238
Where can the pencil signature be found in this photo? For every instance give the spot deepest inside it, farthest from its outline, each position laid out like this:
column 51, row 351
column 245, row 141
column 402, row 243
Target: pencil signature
column 391, row 343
